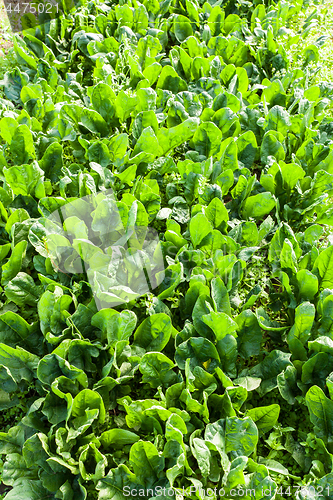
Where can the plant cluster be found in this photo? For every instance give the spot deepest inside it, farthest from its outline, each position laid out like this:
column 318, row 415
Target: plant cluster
column 222, row 376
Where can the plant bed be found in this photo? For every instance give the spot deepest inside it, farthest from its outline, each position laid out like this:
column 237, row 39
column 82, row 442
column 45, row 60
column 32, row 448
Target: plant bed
column 198, row 121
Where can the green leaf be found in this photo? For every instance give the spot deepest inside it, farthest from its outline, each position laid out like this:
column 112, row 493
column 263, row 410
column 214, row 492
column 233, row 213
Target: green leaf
column 220, row 323
column 22, row 365
column 323, row 267
column 220, row 296
column 154, row 332
column 156, row 369
column 207, row 139
column 19, row 215
column 288, row 257
column 217, row 214
column 247, row 148
column 88, row 400
column 272, row 146
column 103, row 100
column 291, row 173
column 202, row 454
column 169, row 80
column 8, row 127
column 22, row 146
column 22, row 290
column 249, row 383
column 268, row 369
column 277, row 119
column 27, row 489
column 182, row 28
column 316, row 369
column 52, row 162
column 287, row 384
column 199, row 349
column 14, row 81
column 307, row 284
column 249, row 334
column 23, row 179
column 265, row 417
column 112, row 486
column 146, row 143
column 147, row 463
column 241, row 436
column 321, row 413
column 115, row 438
column 94, row 460
column 15, row 469
column 170, row 138
column 14, row 264
column 173, row 275
column 199, row 227
column 301, row 330
column 114, row 325
column 258, row 206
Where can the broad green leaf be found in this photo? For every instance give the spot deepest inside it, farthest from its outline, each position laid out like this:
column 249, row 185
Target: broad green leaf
column 321, row 413
column 170, row 138
column 147, row 462
column 115, row 438
column 272, row 146
column 258, row 206
column 114, row 325
column 249, row 334
column 22, row 290
column 156, row 369
column 14, row 263
column 125, row 105
column 241, row 436
column 220, row 296
column 199, row 349
column 88, row 399
column 170, row 80
column 265, row 417
column 103, row 99
column 217, row 214
column 220, row 323
column 173, row 275
column 22, row 145
column 287, row 384
column 247, row 148
column 200, row 227
column 8, row 126
column 323, row 267
column 27, row 489
column 182, row 28
column 154, row 332
column 207, row 139
column 277, row 119
column 23, row 179
column 301, row 330
column 307, row 284
column 268, row 369
column 317, row 368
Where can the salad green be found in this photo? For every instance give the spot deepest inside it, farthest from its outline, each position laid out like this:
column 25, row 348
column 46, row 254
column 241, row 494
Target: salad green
column 220, row 376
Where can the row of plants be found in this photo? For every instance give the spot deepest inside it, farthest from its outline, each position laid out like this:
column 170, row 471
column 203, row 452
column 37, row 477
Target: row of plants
column 197, row 118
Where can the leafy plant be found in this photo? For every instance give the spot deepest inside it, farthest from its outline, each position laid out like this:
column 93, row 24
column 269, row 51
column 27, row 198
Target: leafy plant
column 196, row 119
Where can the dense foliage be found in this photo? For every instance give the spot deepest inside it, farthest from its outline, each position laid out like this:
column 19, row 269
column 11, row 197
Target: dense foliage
column 223, row 376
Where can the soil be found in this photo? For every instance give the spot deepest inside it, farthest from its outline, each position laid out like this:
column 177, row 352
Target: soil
column 4, row 488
